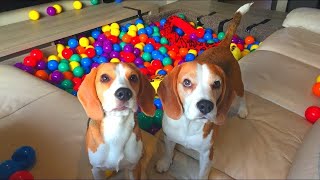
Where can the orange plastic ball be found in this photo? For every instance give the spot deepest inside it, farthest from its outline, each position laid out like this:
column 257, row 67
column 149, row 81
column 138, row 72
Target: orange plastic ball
column 107, row 33
column 249, row 40
column 147, row 64
column 42, row 74
column 68, row 75
column 316, row 89
column 172, row 54
column 81, row 50
column 126, row 38
column 168, row 68
column 143, row 37
column 183, row 51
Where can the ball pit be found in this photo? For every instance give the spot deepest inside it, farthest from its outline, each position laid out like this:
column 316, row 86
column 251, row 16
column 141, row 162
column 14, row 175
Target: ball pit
column 143, row 44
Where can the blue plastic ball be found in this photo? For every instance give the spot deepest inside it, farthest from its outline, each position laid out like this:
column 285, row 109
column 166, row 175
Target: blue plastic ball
column 86, row 62
column 216, row 40
column 25, row 156
column 73, row 43
column 249, row 46
column 202, row 40
column 149, row 30
column 157, row 103
column 123, row 29
column 117, row 47
column 148, row 48
column 163, row 22
column 52, row 65
column 139, row 21
column 99, row 50
column 157, row 39
column 127, row 25
column 210, row 31
column 179, row 31
column 207, row 36
column 95, row 34
column 73, row 92
column 156, row 54
column 142, row 31
column 102, row 60
column 190, row 57
column 257, row 42
column 8, row 167
column 86, row 70
column 162, row 72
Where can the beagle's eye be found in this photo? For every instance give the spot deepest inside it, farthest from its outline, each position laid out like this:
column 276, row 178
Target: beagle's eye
column 216, row 84
column 187, row 83
column 104, row 78
column 133, row 78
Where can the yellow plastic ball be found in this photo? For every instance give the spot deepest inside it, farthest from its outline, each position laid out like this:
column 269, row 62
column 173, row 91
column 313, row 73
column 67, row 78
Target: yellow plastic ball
column 58, row 8
column 192, row 23
column 245, row 52
column 235, row 51
column 74, row 64
column 83, row 55
column 254, row 47
column 132, row 33
column 115, row 26
column 133, row 28
column 114, row 60
column 90, row 46
column 318, row 79
column 199, row 27
column 53, row 57
column 192, row 51
column 84, row 42
column 60, row 48
column 77, row 5
column 115, row 32
column 105, row 28
column 91, row 40
column 139, row 46
column 34, row 15
column 60, row 56
column 108, row 173
column 140, row 26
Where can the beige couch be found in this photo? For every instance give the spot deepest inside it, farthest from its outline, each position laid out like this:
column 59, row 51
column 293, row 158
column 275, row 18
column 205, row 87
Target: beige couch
column 274, row 142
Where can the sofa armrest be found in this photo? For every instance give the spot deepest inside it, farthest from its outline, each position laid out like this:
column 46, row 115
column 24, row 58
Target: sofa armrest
column 307, row 162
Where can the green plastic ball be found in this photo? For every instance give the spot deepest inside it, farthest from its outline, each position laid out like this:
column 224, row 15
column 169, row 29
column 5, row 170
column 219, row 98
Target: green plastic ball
column 63, row 67
column 182, row 16
column 122, row 44
column 66, row 84
column 64, row 61
column 156, row 34
column 146, row 56
column 210, row 41
column 155, row 29
column 75, row 57
column 122, row 34
column 94, row 2
column 163, row 50
column 145, row 122
column 69, row 90
column 167, row 61
column 78, row 71
column 163, row 40
column 157, row 118
column 221, row 35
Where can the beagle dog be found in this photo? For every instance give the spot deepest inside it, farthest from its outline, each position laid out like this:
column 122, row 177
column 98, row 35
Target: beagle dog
column 110, row 95
column 196, row 97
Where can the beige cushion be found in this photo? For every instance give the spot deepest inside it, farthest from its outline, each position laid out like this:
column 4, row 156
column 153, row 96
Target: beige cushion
column 307, row 18
column 297, row 43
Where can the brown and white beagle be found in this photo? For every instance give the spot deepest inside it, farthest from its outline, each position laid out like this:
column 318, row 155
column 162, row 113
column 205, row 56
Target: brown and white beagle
column 111, row 94
column 196, row 97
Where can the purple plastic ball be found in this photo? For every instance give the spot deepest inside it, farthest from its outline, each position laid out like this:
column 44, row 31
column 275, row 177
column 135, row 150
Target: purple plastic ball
column 128, row 48
column 41, row 65
column 114, row 54
column 94, row 65
column 18, row 65
column 193, row 37
column 51, row 11
column 234, row 40
column 56, row 77
column 136, row 52
column 97, row 43
column 106, row 55
column 240, row 41
column 28, row 69
column 138, row 61
column 107, row 42
column 102, row 37
column 107, row 48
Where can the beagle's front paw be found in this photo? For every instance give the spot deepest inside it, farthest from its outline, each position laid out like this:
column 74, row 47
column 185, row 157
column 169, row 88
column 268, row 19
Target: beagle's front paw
column 163, row 165
column 243, row 111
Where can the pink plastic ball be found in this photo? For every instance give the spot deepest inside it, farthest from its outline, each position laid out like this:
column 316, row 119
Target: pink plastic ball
column 51, row 11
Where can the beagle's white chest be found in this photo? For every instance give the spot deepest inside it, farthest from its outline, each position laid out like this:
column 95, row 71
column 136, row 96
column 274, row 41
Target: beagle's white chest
column 121, row 149
column 186, row 133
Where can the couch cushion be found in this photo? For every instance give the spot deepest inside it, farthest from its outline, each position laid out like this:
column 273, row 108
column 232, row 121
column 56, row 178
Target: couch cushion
column 297, row 43
column 280, row 79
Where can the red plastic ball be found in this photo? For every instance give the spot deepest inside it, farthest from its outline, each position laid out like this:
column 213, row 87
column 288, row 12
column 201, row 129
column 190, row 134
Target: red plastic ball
column 30, row 61
column 168, row 68
column 81, row 50
column 174, row 48
column 157, row 46
column 77, row 81
column 312, row 114
column 240, row 46
column 200, row 32
column 151, row 70
column 21, row 175
column 126, row 38
column 156, row 64
column 113, row 39
column 135, row 40
column 150, row 41
column 67, row 53
column 90, row 52
column 68, row 75
column 157, row 23
column 172, row 54
column 128, row 57
column 316, row 89
column 37, row 54
column 249, row 40
column 144, row 71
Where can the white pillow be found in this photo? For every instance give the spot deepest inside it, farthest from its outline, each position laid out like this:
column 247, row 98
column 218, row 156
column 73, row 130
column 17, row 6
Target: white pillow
column 307, row 18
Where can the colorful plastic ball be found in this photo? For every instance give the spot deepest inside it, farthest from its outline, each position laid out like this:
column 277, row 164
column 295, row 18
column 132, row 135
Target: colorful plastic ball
column 157, row 64
column 66, row 84
column 41, row 65
column 30, row 61
column 115, row 26
column 115, row 32
column 312, row 114
column 249, row 40
column 318, row 79
column 146, row 56
column 73, row 65
column 254, row 47
column 18, row 65
column 60, row 48
column 58, row 8
column 67, row 75
column 161, row 72
column 37, row 54
column 240, row 46
column 164, row 40
column 117, row 47
column 128, row 48
column 167, row 61
column 136, row 52
column 221, row 35
column 163, row 22
column 75, row 57
column 34, row 15
column 190, row 57
column 67, row 53
column 183, row 51
column 138, row 61
column 42, row 74
column 9, row 167
column 157, row 119
column 193, row 37
column 126, row 38
column 21, row 175
column 73, row 43
column 90, row 52
column 142, row 31
column 77, row 5
column 106, row 28
column 148, row 48
column 27, row 69
column 63, row 67
column 51, row 11
column 95, row 34
column 193, row 51
column 56, row 77
column 84, row 42
column 316, row 89
column 208, row 36
column 86, row 62
column 133, row 28
column 157, row 103
column 245, row 52
column 94, row 2
column 78, row 71
column 139, row 21
column 115, row 60
column 64, row 61
column 102, row 59
column 52, row 65
column 149, row 30
column 145, row 122
column 132, row 33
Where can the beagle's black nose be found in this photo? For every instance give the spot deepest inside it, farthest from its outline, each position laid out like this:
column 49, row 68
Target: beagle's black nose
column 123, row 94
column 205, row 106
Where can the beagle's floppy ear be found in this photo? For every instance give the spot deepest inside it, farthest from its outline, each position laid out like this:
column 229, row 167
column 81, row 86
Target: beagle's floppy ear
column 88, row 97
column 224, row 82
column 146, row 95
column 169, row 96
